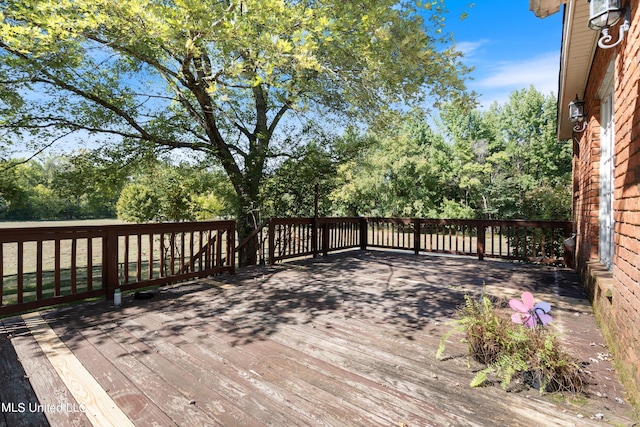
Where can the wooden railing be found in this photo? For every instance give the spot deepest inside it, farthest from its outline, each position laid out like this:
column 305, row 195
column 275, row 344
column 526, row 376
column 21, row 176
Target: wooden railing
column 52, row 265
column 252, row 250
column 531, row 241
column 296, row 237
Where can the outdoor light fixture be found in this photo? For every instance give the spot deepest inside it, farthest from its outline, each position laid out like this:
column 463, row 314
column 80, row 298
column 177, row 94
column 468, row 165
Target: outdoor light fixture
column 576, row 115
column 605, row 13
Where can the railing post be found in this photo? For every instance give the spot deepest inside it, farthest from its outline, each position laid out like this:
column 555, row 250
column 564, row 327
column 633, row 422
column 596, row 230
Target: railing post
column 416, row 235
column 109, row 262
column 568, row 246
column 325, row 237
column 231, row 245
column 314, row 236
column 272, row 242
column 364, row 233
column 480, row 244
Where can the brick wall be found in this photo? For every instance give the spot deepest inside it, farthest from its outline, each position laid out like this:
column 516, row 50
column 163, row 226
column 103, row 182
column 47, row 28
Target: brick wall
column 615, row 294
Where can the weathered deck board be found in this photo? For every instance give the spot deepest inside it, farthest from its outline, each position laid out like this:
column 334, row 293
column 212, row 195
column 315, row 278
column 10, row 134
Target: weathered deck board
column 132, row 361
column 101, row 410
column 273, row 363
column 16, row 394
column 48, row 387
column 348, row 340
column 126, row 394
column 210, row 359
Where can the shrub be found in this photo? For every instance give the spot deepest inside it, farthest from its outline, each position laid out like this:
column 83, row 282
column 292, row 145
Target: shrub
column 509, row 350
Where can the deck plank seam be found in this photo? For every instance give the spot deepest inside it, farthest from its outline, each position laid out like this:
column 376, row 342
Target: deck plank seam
column 102, row 411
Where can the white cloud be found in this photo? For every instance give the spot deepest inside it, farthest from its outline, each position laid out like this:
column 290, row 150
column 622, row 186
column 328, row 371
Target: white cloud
column 495, row 82
column 541, row 72
column 468, row 49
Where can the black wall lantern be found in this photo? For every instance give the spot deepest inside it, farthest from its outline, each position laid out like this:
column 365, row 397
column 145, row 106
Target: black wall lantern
column 605, row 13
column 576, row 115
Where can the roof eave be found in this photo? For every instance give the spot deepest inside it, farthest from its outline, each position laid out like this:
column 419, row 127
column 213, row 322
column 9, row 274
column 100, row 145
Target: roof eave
column 576, row 56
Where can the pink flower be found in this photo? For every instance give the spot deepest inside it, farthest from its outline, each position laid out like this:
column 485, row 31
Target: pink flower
column 529, row 313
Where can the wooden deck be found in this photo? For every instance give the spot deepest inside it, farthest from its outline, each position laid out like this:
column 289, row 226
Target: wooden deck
column 346, row 340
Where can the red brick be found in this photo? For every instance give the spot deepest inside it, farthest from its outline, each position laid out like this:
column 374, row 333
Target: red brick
column 621, row 320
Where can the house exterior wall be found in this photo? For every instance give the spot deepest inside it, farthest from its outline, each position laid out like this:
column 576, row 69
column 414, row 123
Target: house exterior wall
column 615, row 293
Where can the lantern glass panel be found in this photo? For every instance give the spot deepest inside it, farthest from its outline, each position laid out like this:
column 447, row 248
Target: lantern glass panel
column 604, row 13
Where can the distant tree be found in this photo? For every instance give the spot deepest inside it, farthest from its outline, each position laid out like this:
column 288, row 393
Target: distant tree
column 507, row 161
column 90, row 184
column 406, row 171
column 138, row 203
column 166, row 192
column 25, row 191
column 290, row 190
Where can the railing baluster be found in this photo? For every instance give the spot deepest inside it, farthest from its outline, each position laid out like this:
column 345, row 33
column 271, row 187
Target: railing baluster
column 219, row 233
column 162, row 256
column 208, row 259
column 125, row 261
column 56, row 267
column 150, row 257
column 20, row 278
column 39, row 269
column 201, row 265
column 89, row 264
column 74, row 255
column 192, row 261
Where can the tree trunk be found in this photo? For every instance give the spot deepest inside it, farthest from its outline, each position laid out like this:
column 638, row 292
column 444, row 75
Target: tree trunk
column 248, row 219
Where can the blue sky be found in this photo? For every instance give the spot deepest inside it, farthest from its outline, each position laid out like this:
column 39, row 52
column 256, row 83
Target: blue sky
column 508, row 45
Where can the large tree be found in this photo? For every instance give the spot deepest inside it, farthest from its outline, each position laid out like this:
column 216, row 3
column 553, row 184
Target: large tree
column 216, row 76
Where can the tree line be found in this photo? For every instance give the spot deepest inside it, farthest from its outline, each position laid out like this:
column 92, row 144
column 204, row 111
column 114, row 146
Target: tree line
column 503, row 163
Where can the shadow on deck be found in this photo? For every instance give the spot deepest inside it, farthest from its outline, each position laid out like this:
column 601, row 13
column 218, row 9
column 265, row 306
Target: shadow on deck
column 345, row 340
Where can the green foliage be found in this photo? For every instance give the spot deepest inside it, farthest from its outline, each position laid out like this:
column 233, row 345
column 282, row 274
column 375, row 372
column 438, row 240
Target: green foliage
column 175, row 193
column 404, row 173
column 451, row 209
column 548, row 202
column 508, row 162
column 138, row 203
column 510, row 350
column 290, row 189
column 89, row 183
column 503, row 163
column 486, row 332
column 237, row 81
column 474, row 165
column 80, row 185
column 220, row 78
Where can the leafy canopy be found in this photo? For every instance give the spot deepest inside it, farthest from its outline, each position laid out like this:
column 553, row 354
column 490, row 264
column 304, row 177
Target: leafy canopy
column 194, row 73
column 217, row 76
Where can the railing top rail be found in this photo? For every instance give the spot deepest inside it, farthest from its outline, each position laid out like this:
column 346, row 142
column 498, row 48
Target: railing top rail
column 282, row 221
column 528, row 223
column 309, row 220
column 488, row 222
column 331, row 220
column 6, row 234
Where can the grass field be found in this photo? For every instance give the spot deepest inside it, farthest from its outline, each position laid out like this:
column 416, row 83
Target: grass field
column 71, row 223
